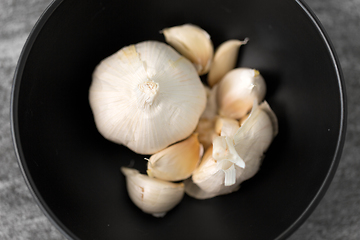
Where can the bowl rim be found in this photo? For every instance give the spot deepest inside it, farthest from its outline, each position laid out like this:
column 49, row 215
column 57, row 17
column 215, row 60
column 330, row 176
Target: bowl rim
column 69, row 234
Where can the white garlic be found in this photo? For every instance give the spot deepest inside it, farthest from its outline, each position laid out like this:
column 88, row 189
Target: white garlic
column 237, row 91
column 176, row 162
column 151, row 195
column 223, row 170
column 208, row 180
column 224, row 60
column 219, row 168
column 211, row 109
column 226, row 126
column 146, row 96
column 254, row 137
column 192, row 42
column 206, row 125
column 206, row 131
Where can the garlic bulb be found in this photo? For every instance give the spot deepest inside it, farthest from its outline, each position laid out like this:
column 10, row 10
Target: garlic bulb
column 192, row 42
column 176, row 162
column 237, row 91
column 224, row 60
column 152, row 195
column 146, row 96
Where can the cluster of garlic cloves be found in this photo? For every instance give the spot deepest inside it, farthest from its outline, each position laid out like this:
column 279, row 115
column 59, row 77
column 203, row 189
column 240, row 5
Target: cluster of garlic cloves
column 204, row 140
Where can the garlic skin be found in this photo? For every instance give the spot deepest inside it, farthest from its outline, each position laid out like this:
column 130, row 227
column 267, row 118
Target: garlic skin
column 254, row 137
column 224, row 60
column 237, row 90
column 146, row 97
column 176, row 162
column 151, row 195
column 192, row 42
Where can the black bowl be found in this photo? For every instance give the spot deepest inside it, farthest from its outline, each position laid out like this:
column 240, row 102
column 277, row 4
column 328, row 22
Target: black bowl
column 73, row 172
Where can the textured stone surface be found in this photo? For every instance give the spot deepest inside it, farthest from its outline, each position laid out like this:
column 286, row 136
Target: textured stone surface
column 336, row 217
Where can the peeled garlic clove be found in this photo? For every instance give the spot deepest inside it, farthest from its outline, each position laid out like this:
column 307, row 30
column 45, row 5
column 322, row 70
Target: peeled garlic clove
column 224, row 60
column 192, row 42
column 237, row 91
column 226, row 126
column 176, row 162
column 151, row 195
column 146, row 96
column 208, row 180
column 254, row 137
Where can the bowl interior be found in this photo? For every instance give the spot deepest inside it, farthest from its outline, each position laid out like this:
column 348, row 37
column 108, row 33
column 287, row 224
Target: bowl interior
column 74, row 172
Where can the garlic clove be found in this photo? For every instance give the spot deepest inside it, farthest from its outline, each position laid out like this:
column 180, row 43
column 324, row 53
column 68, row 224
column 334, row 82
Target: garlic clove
column 226, row 126
column 151, row 195
column 254, row 137
column 176, row 162
column 210, row 111
column 237, row 91
column 206, row 133
column 224, row 60
column 146, row 97
column 227, row 157
column 206, row 124
column 192, row 42
column 208, row 180
column 193, row 190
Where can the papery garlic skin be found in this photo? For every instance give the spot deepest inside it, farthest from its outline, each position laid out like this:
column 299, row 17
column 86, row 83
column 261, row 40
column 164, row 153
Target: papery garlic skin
column 176, row 162
column 254, row 138
column 146, row 97
column 192, row 42
column 237, row 90
column 151, row 195
column 224, row 60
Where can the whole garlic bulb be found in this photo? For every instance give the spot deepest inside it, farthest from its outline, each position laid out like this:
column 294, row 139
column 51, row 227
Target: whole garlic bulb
column 176, row 162
column 151, row 195
column 192, row 42
column 146, row 96
column 237, row 91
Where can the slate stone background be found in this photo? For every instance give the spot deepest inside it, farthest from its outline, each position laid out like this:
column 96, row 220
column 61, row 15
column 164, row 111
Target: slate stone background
column 338, row 214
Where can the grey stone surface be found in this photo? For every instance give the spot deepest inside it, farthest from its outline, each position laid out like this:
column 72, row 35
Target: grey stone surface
column 336, row 217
